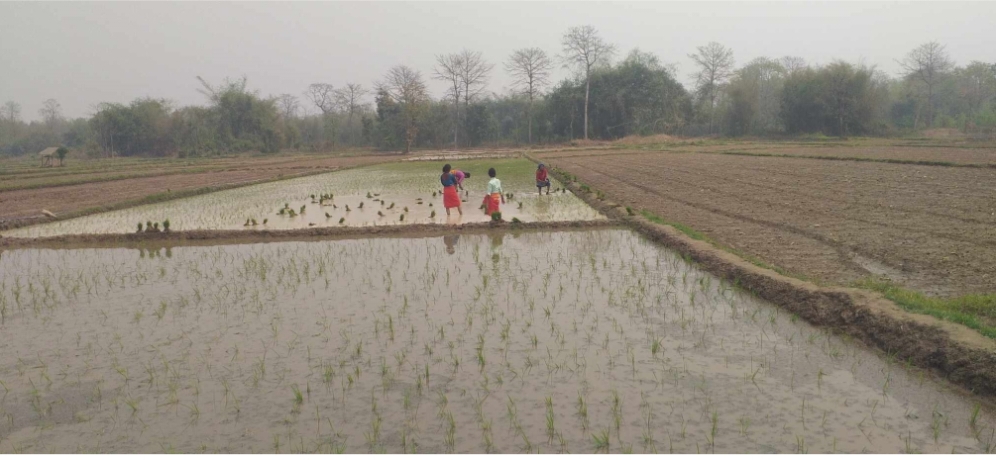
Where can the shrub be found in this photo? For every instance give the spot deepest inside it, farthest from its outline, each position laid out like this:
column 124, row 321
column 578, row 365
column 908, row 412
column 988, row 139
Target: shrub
column 61, row 153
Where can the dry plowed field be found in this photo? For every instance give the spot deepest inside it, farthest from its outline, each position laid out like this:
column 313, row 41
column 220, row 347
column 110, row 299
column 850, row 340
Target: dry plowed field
column 976, row 156
column 966, row 155
column 930, row 228
column 28, row 203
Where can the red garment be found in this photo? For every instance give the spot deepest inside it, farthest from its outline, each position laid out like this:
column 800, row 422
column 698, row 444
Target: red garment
column 492, row 203
column 451, row 199
column 541, row 175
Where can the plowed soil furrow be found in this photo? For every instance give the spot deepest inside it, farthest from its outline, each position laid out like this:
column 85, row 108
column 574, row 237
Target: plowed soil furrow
column 854, row 189
column 860, row 180
column 821, row 214
column 848, row 219
column 781, row 247
column 908, row 220
column 890, row 181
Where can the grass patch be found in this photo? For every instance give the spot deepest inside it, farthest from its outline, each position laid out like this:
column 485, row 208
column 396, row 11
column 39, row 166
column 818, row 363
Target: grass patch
column 976, row 311
column 691, row 232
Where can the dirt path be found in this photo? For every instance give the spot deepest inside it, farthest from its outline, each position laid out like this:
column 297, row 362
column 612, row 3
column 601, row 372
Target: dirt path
column 927, row 227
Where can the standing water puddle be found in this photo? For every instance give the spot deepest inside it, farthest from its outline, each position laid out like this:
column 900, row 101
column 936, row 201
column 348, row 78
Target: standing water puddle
column 552, row 342
column 410, row 190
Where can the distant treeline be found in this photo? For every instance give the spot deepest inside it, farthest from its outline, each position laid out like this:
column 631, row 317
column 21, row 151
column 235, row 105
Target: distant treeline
column 605, row 98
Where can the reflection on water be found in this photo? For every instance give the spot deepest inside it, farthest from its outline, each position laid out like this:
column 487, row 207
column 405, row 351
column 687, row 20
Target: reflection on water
column 450, row 241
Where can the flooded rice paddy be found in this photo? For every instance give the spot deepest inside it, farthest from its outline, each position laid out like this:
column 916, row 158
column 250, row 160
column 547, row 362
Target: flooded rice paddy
column 393, row 194
column 585, row 341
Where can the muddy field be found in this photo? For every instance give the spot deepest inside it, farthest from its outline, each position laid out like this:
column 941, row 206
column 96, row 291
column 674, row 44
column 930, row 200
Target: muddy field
column 585, row 341
column 96, row 192
column 929, row 228
column 395, row 194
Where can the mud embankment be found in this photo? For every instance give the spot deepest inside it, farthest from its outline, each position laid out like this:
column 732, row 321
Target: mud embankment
column 215, row 237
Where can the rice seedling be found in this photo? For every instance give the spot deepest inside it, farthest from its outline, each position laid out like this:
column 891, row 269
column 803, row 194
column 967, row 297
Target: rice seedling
column 601, row 440
column 714, row 421
column 744, row 425
column 583, row 412
column 298, row 396
column 551, row 426
column 450, row 437
column 973, row 420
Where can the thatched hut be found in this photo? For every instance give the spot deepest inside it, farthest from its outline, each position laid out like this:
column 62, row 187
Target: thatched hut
column 48, row 156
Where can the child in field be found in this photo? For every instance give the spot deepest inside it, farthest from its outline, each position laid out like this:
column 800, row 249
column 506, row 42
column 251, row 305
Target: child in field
column 451, row 199
column 542, row 180
column 494, row 195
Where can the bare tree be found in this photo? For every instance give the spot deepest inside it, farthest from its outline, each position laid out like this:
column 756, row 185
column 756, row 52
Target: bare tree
column 349, row 97
column 11, row 111
column 715, row 63
column 406, row 86
column 449, row 68
column 214, row 93
column 289, row 105
column 792, row 64
column 51, row 112
column 584, row 50
column 473, row 75
column 323, row 95
column 926, row 65
column 530, row 69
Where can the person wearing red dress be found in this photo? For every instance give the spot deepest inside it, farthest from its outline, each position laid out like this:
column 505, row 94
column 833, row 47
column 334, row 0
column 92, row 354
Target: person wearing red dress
column 542, row 179
column 451, row 198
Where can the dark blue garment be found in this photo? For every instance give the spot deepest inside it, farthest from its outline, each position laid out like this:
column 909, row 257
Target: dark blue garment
column 447, row 179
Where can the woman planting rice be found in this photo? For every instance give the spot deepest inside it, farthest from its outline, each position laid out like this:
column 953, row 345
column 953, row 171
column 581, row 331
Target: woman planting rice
column 495, row 193
column 460, row 176
column 542, row 180
column 451, row 199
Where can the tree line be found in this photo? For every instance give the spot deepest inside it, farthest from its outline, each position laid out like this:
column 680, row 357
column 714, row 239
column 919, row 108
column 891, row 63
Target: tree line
column 607, row 96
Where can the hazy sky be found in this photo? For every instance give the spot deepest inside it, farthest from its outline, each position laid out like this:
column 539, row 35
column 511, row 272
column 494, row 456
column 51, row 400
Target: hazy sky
column 85, row 53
